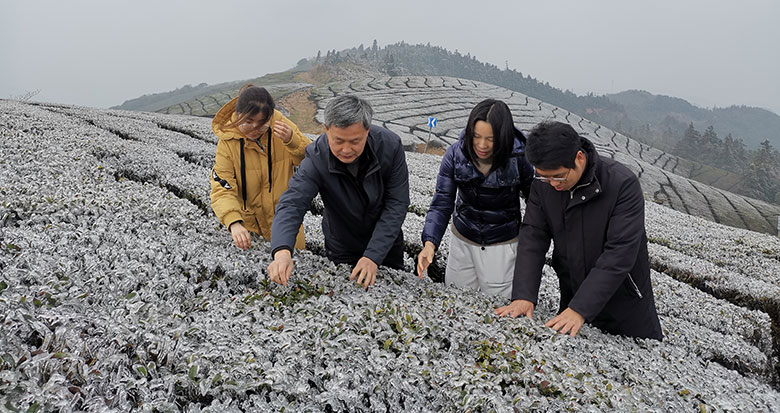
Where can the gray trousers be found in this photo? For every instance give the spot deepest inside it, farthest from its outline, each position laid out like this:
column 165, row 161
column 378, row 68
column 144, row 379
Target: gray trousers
column 489, row 269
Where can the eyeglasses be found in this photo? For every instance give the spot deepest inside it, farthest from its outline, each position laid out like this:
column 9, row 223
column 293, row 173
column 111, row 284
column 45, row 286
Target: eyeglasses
column 547, row 179
column 250, row 127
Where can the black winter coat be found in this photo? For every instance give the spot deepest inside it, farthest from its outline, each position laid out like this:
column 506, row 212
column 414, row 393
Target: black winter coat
column 363, row 214
column 600, row 248
column 487, row 208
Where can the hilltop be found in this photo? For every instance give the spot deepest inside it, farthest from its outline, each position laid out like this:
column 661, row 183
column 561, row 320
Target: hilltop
column 665, row 119
column 659, row 121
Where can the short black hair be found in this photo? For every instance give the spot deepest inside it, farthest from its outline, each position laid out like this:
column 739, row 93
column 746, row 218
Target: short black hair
column 497, row 114
column 552, row 145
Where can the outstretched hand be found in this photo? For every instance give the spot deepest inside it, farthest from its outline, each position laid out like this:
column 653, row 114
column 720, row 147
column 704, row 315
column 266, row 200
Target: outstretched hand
column 516, row 308
column 365, row 271
column 240, row 235
column 280, row 269
column 568, row 321
column 425, row 258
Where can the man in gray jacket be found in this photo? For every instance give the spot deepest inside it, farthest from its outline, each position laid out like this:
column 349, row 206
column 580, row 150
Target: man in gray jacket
column 360, row 172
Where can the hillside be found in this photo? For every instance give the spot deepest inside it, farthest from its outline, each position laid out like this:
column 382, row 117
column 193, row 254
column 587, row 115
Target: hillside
column 665, row 133
column 658, row 121
column 404, row 103
column 300, row 101
column 632, row 109
column 205, row 100
column 157, row 101
column 666, row 115
column 120, row 291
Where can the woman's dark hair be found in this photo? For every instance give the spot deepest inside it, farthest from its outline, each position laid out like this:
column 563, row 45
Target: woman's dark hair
column 552, row 145
column 497, row 114
column 251, row 101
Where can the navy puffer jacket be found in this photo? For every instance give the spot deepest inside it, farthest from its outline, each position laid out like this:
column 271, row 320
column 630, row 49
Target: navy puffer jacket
column 487, row 208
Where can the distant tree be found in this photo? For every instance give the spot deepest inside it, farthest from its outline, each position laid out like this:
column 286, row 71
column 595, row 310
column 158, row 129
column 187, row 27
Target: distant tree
column 710, row 135
column 26, row 96
column 688, row 146
column 711, row 148
column 766, row 154
column 762, row 177
column 733, row 156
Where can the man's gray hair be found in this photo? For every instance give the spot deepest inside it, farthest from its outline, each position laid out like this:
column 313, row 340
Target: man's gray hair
column 347, row 110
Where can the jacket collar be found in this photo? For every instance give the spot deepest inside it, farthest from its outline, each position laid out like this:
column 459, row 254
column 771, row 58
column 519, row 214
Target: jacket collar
column 368, row 156
column 503, row 176
column 588, row 186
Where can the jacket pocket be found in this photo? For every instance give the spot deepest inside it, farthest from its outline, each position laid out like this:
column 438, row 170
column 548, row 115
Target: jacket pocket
column 633, row 287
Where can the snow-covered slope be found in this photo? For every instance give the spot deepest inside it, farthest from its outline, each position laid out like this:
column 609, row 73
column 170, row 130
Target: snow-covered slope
column 119, row 290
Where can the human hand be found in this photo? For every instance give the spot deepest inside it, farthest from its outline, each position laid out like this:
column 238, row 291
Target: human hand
column 365, row 271
column 241, row 236
column 425, row 258
column 568, row 321
column 283, row 131
column 280, row 269
column 517, row 307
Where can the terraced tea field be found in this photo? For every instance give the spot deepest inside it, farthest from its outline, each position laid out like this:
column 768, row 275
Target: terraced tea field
column 120, row 291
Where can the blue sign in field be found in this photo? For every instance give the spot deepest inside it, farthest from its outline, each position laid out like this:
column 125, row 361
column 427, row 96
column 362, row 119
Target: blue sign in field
column 431, row 122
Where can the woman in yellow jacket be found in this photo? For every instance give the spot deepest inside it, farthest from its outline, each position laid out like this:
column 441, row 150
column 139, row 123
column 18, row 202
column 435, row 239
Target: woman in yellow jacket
column 257, row 150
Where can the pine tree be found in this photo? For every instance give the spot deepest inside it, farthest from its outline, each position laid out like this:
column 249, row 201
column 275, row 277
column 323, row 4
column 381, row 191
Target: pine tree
column 688, row 146
column 733, row 156
column 762, row 177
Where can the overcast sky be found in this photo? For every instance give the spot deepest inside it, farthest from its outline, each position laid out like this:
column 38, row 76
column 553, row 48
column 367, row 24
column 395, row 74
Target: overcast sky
column 101, row 52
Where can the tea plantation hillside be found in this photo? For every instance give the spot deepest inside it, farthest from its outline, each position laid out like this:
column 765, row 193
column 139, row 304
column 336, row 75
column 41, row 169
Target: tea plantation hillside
column 403, row 104
column 120, row 291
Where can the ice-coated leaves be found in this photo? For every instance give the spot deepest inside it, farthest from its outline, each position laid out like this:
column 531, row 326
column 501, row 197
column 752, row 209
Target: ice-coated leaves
column 120, row 291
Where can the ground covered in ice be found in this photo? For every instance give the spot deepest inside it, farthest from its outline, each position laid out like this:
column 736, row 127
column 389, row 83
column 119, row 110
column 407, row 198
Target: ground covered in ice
column 119, row 291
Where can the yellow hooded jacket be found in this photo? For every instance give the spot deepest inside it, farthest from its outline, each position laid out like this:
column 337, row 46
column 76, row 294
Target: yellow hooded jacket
column 240, row 188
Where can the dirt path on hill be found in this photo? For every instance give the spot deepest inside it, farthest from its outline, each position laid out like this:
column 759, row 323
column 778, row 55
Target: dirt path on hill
column 302, row 110
column 433, row 150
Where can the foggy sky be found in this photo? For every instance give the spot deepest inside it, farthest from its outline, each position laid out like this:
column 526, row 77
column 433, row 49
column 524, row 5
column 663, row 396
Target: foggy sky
column 101, row 53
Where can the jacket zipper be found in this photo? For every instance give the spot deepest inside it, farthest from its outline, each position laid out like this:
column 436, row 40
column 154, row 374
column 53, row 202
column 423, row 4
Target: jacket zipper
column 571, row 193
column 243, row 174
column 635, row 287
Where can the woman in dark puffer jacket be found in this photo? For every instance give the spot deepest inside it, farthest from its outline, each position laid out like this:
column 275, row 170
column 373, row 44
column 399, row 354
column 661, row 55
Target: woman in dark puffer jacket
column 481, row 179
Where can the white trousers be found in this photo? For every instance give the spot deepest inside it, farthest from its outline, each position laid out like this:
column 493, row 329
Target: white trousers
column 489, row 269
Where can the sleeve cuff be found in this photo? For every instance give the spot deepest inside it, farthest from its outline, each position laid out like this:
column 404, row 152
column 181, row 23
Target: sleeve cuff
column 294, row 142
column 277, row 249
column 231, row 217
column 374, row 258
column 577, row 306
column 433, row 241
column 535, row 301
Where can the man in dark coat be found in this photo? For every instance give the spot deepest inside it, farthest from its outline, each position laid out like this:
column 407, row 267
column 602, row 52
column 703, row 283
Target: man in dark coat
column 361, row 174
column 592, row 207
